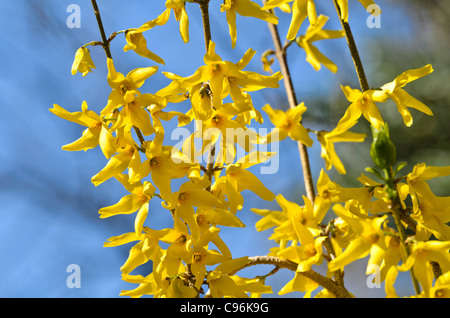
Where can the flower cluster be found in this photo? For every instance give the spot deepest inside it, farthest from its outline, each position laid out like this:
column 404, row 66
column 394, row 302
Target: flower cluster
column 337, row 225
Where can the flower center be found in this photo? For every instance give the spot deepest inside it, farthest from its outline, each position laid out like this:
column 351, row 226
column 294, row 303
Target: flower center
column 197, row 257
column 181, row 239
column 373, row 238
column 124, row 87
column 183, row 197
column 217, row 121
column 155, row 163
column 215, row 68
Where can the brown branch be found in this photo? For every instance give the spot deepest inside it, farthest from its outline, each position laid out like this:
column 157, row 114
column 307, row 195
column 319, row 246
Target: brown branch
column 327, row 283
column 353, row 51
column 280, row 53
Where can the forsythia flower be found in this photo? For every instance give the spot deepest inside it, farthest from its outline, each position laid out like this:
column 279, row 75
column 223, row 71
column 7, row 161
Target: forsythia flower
column 288, row 124
column 300, row 10
column 430, row 211
column 327, row 140
column 83, row 62
column 362, row 104
column 422, row 253
column 245, row 8
column 126, row 157
column 136, row 42
column 402, row 99
column 370, row 239
column 315, row 33
column 192, row 194
column 283, row 5
column 141, row 194
column 178, row 7
column 96, row 134
column 239, row 179
column 125, row 88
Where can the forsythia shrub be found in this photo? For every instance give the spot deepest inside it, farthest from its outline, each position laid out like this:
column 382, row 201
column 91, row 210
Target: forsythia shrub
column 393, row 217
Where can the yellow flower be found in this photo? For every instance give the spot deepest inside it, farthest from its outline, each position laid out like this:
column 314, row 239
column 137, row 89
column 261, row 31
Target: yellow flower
column 245, row 8
column 141, row 194
column 160, row 20
column 215, row 71
column 300, row 10
column 402, row 99
column 83, row 62
column 328, row 152
column 430, row 211
column 143, row 251
column 315, row 33
column 370, row 239
column 201, row 256
column 125, row 88
column 287, row 124
column 134, row 113
column 96, row 134
column 299, row 283
column 163, row 163
column 178, row 7
column 239, row 179
column 281, row 4
column 293, row 223
column 126, row 157
column 422, row 253
column 136, row 42
column 220, row 284
column 343, row 6
column 441, row 288
column 192, row 194
column 362, row 104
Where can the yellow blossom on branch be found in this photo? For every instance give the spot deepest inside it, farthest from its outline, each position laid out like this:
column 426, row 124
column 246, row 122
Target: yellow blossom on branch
column 125, row 88
column 327, row 141
column 287, row 124
column 363, row 103
column 402, row 99
column 96, row 134
column 83, row 62
column 244, row 8
column 314, row 33
column 370, row 239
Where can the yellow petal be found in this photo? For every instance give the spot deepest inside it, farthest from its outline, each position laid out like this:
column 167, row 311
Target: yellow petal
column 140, row 218
column 126, row 205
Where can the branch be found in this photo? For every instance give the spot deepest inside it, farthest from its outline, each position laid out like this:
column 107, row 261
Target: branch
column 353, row 51
column 280, row 53
column 325, row 282
column 105, row 44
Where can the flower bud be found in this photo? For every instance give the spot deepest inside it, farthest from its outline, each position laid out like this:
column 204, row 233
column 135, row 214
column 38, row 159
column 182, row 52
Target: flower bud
column 82, row 62
column 383, row 151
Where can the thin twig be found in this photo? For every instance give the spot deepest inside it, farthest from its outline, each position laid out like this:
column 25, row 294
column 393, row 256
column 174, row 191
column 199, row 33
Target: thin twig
column 102, row 30
column 353, row 51
column 327, row 283
column 105, row 44
column 280, row 53
column 204, row 7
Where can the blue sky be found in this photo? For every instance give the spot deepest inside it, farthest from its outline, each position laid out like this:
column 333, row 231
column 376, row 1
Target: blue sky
column 48, row 205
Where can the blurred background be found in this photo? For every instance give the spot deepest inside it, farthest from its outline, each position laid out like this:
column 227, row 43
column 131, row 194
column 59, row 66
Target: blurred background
column 49, row 207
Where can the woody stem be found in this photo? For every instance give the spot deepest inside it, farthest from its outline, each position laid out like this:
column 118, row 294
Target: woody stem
column 337, row 290
column 102, row 30
column 105, row 45
column 353, row 51
column 280, row 53
column 204, row 7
